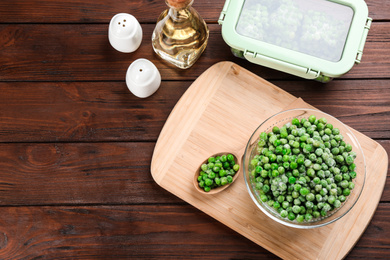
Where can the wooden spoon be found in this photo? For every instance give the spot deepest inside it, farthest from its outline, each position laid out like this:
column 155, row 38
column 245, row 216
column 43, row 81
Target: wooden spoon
column 237, row 158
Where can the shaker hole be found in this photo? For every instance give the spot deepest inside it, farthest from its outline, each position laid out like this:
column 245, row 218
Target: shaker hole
column 124, row 25
column 124, row 20
column 140, row 70
column 119, row 22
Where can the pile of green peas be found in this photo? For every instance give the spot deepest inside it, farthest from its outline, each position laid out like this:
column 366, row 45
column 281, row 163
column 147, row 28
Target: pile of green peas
column 217, row 171
column 304, row 170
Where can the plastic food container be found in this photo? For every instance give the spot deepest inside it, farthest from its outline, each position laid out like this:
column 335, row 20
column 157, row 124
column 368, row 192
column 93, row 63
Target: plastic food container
column 312, row 39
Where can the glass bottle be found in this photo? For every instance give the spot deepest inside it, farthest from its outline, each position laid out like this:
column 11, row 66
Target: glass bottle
column 181, row 35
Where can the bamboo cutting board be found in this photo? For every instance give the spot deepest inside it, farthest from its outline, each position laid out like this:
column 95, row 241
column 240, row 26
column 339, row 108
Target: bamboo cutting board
column 218, row 113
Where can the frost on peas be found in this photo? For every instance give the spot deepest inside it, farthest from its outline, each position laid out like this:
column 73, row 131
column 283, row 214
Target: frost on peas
column 284, row 213
column 324, row 34
column 312, row 180
column 287, row 24
column 254, row 21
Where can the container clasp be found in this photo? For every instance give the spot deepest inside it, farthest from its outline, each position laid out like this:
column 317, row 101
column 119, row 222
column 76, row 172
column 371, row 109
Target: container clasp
column 223, row 13
column 363, row 40
column 280, row 65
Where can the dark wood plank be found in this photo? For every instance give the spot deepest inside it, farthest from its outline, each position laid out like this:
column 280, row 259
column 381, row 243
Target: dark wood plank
column 93, row 11
column 86, row 173
column 160, row 232
column 89, row 111
column 108, row 111
column 83, row 53
column 119, row 232
column 78, row 173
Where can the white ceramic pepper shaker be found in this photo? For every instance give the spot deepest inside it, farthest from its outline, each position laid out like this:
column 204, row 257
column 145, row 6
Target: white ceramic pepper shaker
column 143, row 78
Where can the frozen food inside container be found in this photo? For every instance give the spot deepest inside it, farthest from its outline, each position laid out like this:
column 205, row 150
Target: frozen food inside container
column 315, row 27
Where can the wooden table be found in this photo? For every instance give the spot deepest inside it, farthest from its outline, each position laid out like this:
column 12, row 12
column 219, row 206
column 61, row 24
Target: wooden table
column 76, row 145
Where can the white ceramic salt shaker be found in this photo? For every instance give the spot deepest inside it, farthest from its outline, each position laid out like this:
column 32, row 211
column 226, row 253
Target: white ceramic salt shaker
column 143, row 78
column 124, row 33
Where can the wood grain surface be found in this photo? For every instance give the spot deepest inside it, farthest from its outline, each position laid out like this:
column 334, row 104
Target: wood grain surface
column 76, row 145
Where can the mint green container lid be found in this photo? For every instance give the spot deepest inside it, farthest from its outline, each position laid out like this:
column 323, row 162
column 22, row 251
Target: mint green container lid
column 312, row 39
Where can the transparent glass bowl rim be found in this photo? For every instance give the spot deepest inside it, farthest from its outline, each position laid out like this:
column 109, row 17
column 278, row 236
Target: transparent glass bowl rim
column 285, row 221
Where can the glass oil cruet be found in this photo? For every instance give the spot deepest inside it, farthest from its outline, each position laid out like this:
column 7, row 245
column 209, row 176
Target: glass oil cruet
column 181, row 35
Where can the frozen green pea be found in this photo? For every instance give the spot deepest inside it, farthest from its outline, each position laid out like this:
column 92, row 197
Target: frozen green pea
column 308, row 217
column 310, row 197
column 300, row 218
column 208, row 182
column 346, row 192
column 291, row 216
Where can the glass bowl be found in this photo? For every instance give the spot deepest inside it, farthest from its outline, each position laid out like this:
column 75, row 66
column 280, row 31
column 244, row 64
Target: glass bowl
column 279, row 120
